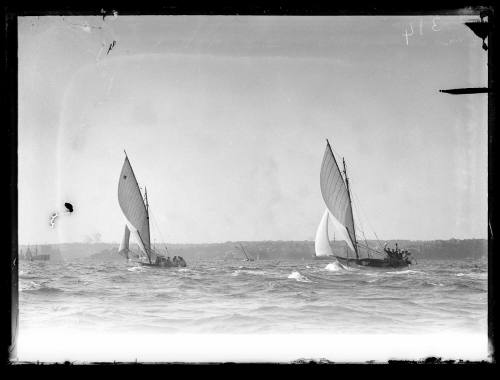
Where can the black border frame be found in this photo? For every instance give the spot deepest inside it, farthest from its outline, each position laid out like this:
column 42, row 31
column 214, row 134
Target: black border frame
column 9, row 264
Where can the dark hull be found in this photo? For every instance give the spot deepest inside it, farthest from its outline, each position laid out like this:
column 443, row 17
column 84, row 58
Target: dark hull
column 331, row 257
column 160, row 265
column 377, row 263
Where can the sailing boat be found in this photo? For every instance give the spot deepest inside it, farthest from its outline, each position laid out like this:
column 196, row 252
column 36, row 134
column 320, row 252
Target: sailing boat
column 28, row 255
column 42, row 257
column 32, row 255
column 246, row 256
column 135, row 208
column 337, row 196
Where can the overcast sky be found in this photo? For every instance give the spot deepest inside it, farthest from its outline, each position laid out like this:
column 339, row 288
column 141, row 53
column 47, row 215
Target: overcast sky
column 224, row 119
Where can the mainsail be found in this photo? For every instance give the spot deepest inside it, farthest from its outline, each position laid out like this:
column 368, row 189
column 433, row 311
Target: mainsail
column 322, row 241
column 133, row 207
column 336, row 196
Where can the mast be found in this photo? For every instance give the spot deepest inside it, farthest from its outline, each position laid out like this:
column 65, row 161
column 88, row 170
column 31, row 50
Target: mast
column 147, row 213
column 243, row 249
column 350, row 201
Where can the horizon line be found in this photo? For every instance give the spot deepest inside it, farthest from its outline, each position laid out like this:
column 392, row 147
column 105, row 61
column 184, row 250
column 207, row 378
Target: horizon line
column 251, row 241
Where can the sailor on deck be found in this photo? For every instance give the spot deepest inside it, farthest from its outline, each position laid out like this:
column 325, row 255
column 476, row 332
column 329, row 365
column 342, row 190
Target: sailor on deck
column 181, row 261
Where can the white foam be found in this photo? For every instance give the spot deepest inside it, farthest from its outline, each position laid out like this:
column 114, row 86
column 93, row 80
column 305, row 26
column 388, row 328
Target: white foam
column 408, row 271
column 246, row 271
column 32, row 285
column 136, row 269
column 336, row 267
column 478, row 276
column 436, row 284
column 297, row 276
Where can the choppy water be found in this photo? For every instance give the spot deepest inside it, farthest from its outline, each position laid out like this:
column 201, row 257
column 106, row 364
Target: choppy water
column 264, row 296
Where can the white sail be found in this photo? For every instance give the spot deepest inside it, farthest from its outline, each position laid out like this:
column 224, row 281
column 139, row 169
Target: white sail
column 342, row 232
column 336, row 197
column 124, row 245
column 322, row 241
column 142, row 252
column 133, row 207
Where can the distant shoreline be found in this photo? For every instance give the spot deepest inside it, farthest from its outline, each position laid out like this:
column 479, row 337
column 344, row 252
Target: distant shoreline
column 389, row 241
column 273, row 249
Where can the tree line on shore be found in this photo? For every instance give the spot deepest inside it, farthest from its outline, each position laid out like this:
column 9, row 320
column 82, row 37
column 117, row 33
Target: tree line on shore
column 261, row 250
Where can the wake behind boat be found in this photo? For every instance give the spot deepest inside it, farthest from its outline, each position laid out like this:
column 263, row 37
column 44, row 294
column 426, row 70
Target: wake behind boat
column 337, row 196
column 135, row 208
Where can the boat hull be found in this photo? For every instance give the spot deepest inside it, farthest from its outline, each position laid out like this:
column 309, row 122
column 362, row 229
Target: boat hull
column 369, row 262
column 160, row 265
column 329, row 257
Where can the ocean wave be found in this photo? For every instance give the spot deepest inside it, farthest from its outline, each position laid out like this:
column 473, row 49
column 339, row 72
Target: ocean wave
column 136, row 269
column 246, row 268
column 433, row 283
column 246, row 271
column 474, row 275
column 407, row 271
column 34, row 287
column 335, row 298
column 29, row 277
column 31, row 285
column 297, row 276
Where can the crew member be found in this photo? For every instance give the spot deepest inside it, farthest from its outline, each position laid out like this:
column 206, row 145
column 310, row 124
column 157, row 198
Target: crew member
column 182, row 263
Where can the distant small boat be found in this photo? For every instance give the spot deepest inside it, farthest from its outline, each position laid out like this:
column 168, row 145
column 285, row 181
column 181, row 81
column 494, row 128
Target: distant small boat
column 247, row 258
column 135, row 208
column 336, row 194
column 34, row 256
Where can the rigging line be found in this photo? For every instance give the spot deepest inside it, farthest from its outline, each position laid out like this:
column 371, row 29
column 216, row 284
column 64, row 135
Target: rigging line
column 157, row 227
column 361, row 228
column 369, row 225
column 334, row 151
column 362, row 232
column 359, row 211
column 371, row 249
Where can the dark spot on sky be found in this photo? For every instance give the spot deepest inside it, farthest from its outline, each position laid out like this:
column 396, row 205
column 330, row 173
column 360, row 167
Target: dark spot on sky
column 69, row 207
column 111, row 46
